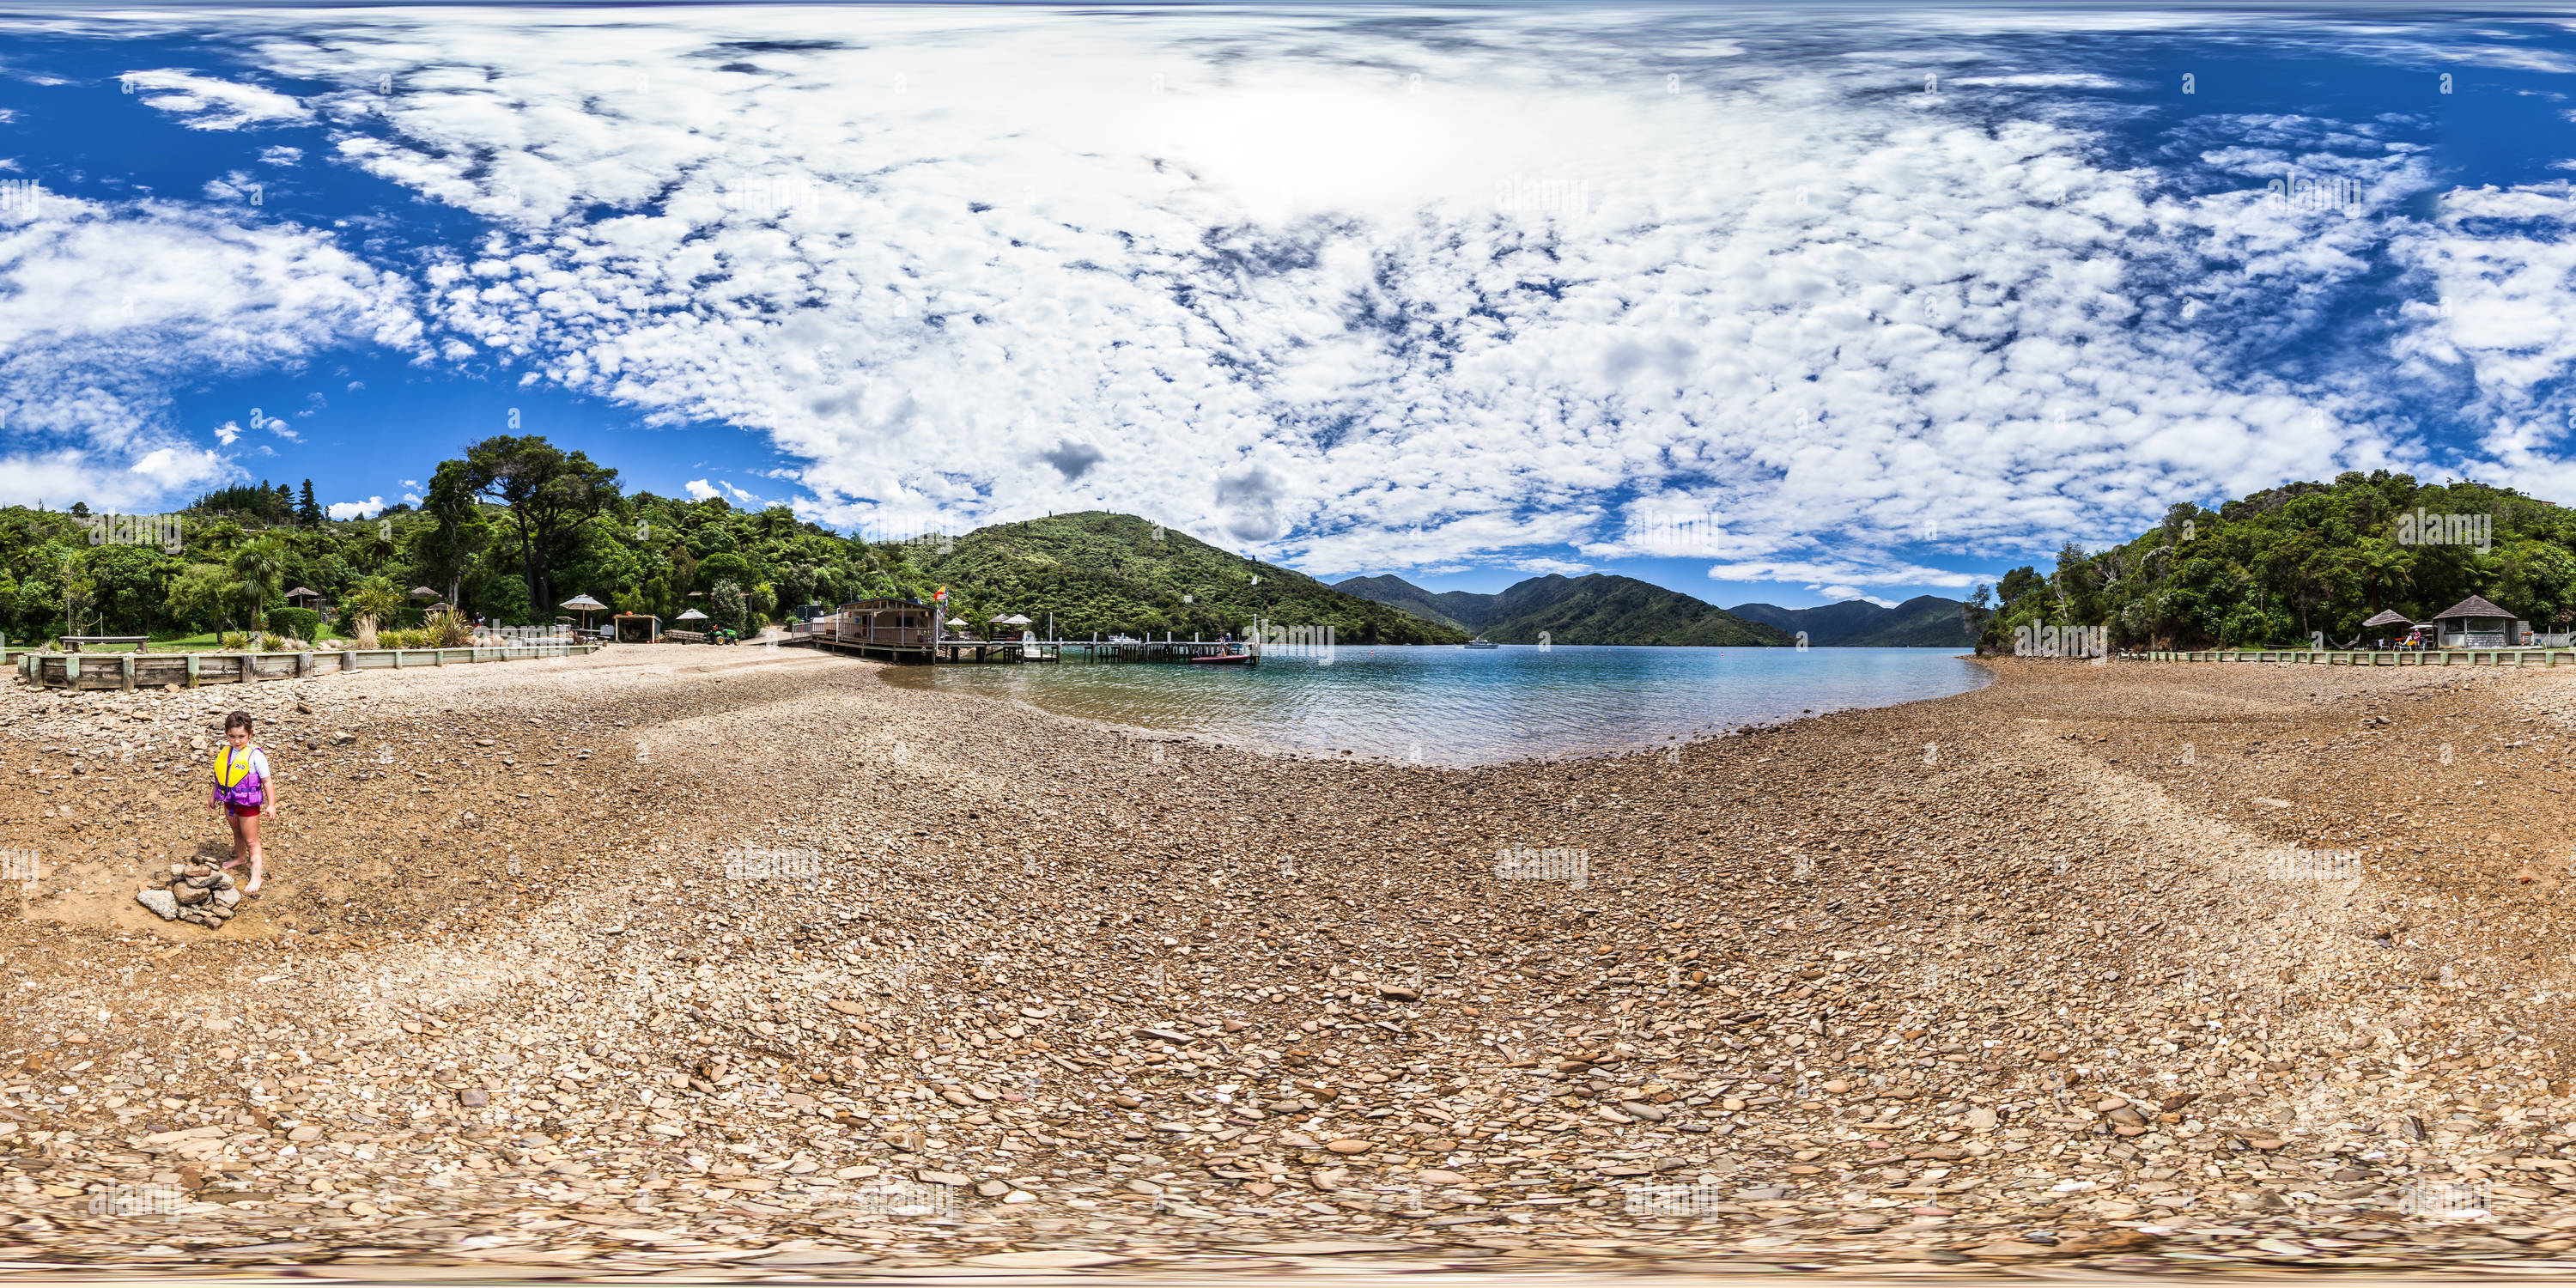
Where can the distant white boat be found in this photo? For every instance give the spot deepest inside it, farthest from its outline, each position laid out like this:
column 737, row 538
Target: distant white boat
column 1481, row 642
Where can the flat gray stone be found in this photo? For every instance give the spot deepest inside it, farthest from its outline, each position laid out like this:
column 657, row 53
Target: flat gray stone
column 161, row 902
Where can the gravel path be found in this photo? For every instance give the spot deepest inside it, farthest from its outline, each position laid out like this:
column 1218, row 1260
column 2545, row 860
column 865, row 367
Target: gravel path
column 688, row 957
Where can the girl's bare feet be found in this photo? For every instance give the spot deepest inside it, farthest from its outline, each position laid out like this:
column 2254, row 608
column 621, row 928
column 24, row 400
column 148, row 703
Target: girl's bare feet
column 255, row 875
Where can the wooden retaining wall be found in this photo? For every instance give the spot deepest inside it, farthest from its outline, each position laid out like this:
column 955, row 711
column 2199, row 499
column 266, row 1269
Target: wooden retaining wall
column 152, row 670
column 2374, row 657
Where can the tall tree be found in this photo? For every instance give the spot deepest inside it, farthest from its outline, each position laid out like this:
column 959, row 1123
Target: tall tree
column 457, row 532
column 550, row 493
column 308, row 511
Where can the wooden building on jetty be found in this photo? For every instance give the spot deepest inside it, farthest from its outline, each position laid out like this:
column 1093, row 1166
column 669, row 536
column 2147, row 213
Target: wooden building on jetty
column 908, row 630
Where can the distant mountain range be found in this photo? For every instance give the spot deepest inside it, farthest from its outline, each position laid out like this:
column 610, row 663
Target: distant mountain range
column 1925, row 621
column 1603, row 609
column 1594, row 609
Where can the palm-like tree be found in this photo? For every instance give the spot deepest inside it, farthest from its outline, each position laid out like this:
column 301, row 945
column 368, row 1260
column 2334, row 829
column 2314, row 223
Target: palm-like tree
column 259, row 569
column 2385, row 570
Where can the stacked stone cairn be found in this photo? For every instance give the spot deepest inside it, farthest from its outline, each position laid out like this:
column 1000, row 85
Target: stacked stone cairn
column 195, row 892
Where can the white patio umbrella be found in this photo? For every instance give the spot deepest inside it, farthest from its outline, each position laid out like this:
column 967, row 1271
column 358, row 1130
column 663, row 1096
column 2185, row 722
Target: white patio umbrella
column 582, row 604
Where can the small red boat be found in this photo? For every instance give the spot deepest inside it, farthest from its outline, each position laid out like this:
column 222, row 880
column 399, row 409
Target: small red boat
column 1226, row 659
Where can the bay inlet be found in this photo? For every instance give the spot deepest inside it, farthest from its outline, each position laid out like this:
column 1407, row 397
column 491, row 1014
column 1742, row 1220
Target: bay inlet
column 1453, row 706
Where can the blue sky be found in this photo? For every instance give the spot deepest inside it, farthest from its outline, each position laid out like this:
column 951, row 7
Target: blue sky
column 1756, row 305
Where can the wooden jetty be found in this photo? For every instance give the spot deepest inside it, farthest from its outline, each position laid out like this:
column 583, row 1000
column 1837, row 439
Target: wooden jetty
column 907, row 630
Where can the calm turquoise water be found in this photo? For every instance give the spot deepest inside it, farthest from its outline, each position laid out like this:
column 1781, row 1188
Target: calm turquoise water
column 1455, row 706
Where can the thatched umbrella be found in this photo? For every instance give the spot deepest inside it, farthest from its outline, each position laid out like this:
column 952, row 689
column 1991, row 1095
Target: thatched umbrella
column 423, row 592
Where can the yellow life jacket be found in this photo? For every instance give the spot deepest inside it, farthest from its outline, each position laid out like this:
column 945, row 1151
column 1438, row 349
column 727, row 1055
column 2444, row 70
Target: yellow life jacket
column 233, row 778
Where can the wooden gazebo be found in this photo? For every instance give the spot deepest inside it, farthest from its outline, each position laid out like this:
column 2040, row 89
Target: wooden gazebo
column 2475, row 623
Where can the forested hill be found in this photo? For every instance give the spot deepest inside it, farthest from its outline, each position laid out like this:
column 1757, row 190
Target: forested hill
column 2285, row 563
column 1100, row 572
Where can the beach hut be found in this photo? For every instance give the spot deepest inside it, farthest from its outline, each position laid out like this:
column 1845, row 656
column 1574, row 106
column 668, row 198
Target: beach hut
column 423, row 592
column 304, row 597
column 636, row 628
column 897, row 623
column 2475, row 623
column 2387, row 618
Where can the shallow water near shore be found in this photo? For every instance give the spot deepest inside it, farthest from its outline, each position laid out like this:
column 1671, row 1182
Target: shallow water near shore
column 1455, row 706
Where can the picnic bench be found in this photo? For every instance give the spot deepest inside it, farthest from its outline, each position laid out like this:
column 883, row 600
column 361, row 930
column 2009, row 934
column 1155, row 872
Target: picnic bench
column 72, row 643
column 685, row 637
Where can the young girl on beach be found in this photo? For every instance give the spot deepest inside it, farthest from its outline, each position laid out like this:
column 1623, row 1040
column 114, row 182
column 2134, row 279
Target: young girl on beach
column 244, row 790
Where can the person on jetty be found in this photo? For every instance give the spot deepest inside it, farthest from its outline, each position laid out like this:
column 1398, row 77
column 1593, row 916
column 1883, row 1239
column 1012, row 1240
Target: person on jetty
column 244, row 791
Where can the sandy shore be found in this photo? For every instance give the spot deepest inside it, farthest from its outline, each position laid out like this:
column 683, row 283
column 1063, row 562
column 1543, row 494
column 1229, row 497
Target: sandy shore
column 2135, row 965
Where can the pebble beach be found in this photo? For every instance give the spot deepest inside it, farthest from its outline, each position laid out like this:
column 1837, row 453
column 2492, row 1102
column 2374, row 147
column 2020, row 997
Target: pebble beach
column 738, row 959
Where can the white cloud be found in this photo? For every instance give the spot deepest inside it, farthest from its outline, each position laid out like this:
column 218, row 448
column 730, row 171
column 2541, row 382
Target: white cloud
column 366, row 509
column 1562, row 567
column 1843, row 574
column 109, row 308
column 170, row 469
column 2037, row 80
column 701, row 490
column 1252, row 278
column 410, row 498
column 1838, row 594
column 205, row 103
column 280, row 155
column 2501, row 263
